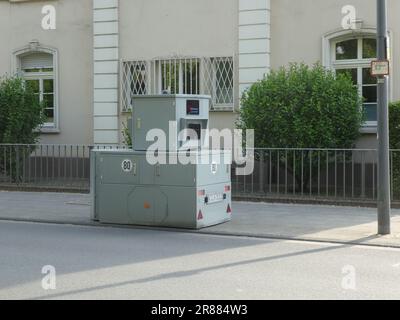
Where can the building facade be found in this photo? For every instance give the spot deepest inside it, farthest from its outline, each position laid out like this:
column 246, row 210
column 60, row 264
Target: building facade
column 86, row 58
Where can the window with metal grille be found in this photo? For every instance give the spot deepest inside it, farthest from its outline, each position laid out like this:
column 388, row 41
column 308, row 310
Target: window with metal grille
column 135, row 78
column 218, row 80
column 212, row 76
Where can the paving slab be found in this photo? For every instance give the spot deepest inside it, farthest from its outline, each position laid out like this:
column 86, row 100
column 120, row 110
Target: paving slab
column 287, row 221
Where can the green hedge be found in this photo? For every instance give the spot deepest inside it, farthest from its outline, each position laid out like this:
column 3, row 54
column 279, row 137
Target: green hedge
column 21, row 115
column 20, row 112
column 394, row 133
column 303, row 107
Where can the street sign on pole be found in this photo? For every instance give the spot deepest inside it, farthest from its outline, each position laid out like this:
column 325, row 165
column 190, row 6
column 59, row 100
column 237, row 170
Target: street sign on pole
column 383, row 122
column 380, row 68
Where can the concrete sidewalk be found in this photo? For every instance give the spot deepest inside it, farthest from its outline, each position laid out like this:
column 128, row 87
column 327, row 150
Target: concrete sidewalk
column 300, row 222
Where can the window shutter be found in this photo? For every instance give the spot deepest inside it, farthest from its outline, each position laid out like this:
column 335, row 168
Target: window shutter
column 37, row 60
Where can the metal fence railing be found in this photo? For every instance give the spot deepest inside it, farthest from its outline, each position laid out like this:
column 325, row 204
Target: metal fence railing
column 349, row 174
column 64, row 167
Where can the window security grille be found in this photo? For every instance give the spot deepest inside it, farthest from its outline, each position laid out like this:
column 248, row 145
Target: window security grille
column 212, row 76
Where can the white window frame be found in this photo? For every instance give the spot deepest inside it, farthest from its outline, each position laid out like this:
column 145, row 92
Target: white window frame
column 41, row 76
column 329, row 61
column 34, row 47
column 359, row 64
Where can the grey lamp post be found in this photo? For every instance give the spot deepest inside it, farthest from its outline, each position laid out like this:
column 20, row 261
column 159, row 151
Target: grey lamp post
column 383, row 126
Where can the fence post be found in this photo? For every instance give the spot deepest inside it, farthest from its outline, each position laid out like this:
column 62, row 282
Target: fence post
column 261, row 180
column 363, row 175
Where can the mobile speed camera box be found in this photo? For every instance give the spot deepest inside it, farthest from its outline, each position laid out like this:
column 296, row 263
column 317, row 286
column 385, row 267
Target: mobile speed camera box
column 127, row 188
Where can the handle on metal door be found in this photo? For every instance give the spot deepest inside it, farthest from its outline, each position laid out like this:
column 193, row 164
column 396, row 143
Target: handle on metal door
column 134, row 169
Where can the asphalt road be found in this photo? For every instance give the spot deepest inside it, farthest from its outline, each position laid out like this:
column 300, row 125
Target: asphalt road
column 112, row 263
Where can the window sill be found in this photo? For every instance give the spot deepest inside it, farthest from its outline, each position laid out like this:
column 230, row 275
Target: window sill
column 49, row 130
column 126, row 111
column 223, row 108
column 369, row 128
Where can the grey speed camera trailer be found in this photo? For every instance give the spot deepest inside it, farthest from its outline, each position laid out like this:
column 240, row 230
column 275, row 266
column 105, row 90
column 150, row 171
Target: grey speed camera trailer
column 128, row 189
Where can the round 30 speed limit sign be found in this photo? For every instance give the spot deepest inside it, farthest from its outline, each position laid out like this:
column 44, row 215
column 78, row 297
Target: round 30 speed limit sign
column 127, row 165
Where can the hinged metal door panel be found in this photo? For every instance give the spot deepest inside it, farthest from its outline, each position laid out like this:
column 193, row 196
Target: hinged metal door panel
column 119, row 169
column 147, row 205
column 175, row 175
column 151, row 114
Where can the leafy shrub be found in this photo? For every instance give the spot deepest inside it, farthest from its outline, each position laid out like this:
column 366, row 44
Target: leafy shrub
column 303, row 107
column 394, row 125
column 21, row 115
column 126, row 134
column 394, row 133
